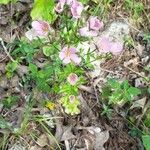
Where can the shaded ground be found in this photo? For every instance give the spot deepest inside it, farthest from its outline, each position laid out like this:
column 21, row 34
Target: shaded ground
column 89, row 130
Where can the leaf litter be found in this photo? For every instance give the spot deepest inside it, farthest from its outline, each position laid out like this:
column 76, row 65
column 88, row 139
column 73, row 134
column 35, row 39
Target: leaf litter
column 88, row 130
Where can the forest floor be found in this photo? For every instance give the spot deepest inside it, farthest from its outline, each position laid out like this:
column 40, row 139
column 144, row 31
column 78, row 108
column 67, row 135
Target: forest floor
column 25, row 124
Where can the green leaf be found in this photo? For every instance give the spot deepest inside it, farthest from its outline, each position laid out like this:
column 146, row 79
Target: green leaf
column 43, row 9
column 10, row 101
column 134, row 91
column 125, row 84
column 33, row 68
column 6, row 1
column 148, row 90
column 47, row 50
column 3, row 123
column 11, row 68
column 146, row 141
column 84, row 1
column 113, row 83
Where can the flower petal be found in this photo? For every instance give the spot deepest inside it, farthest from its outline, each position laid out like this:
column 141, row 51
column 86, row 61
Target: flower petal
column 61, row 55
column 75, row 58
column 116, row 48
column 105, row 45
column 66, row 60
column 59, row 7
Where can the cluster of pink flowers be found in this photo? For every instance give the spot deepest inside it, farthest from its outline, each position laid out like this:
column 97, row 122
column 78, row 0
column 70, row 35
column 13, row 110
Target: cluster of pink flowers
column 39, row 29
column 92, row 27
column 75, row 6
column 109, row 46
column 68, row 55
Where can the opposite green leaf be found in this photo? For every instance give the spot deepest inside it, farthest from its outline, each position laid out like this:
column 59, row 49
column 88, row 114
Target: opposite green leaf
column 43, row 9
column 7, row 1
column 146, row 141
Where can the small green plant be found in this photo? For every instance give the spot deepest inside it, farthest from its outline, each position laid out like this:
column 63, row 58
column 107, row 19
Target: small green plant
column 11, row 68
column 129, row 41
column 120, row 92
column 42, row 77
column 106, row 111
column 9, row 101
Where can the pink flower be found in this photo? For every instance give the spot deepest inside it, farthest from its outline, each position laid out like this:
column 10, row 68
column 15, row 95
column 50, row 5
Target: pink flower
column 62, row 1
column 86, row 32
column 92, row 27
column 76, row 9
column 59, row 7
column 68, row 54
column 72, row 78
column 72, row 98
column 116, row 48
column 95, row 24
column 41, row 27
column 107, row 46
column 69, row 2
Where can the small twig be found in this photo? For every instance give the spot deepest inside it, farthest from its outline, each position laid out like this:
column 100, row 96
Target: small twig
column 85, row 88
column 5, row 49
column 136, row 72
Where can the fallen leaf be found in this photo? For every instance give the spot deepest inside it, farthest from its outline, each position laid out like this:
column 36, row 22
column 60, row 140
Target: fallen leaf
column 35, row 148
column 42, row 140
column 67, row 135
column 139, row 103
column 101, row 138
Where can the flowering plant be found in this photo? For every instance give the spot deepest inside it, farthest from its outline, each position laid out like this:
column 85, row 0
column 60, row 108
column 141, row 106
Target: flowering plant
column 60, row 43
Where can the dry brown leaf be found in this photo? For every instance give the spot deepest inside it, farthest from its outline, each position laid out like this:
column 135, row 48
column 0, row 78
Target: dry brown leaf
column 139, row 103
column 35, row 148
column 101, row 138
column 67, row 135
column 42, row 140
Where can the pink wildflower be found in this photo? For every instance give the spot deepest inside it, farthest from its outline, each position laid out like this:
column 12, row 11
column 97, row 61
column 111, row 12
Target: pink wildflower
column 41, row 27
column 92, row 27
column 62, row 1
column 86, row 32
column 59, row 7
column 95, row 23
column 116, row 48
column 68, row 54
column 76, row 9
column 107, row 46
column 72, row 98
column 69, row 2
column 72, row 78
